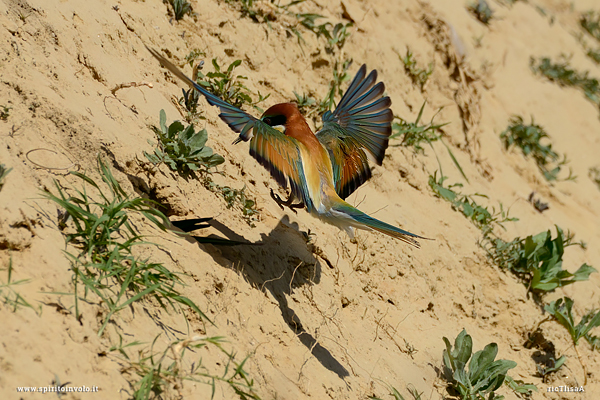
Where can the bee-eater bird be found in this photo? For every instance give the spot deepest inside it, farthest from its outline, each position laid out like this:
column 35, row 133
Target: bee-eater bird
column 325, row 168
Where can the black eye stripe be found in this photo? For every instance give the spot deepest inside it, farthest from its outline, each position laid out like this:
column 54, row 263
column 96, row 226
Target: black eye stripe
column 275, row 120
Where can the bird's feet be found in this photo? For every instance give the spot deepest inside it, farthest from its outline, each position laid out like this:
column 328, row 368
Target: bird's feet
column 288, row 203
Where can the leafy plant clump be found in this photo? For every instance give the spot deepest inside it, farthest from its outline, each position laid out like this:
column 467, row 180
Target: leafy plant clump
column 484, row 219
column 228, row 86
column 10, row 297
column 413, row 135
column 590, row 22
column 105, row 264
column 4, row 112
column 397, row 396
column 182, row 148
column 537, row 260
column 180, row 8
column 562, row 73
column 312, row 108
column 594, row 175
column 418, row 76
column 482, row 11
column 335, row 34
column 528, row 138
column 561, row 311
column 484, row 374
column 165, row 372
column 3, row 173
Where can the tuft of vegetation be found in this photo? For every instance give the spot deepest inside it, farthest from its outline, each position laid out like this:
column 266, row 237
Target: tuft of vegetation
column 164, row 372
column 484, row 374
column 180, row 8
column 182, row 148
column 484, row 219
column 418, row 76
column 413, row 135
column 4, row 112
column 590, row 22
column 561, row 311
column 527, row 138
column 336, row 35
column 482, row 11
column 184, row 151
column 312, row 108
column 594, row 175
column 594, row 55
column 103, row 234
column 3, row 173
column 562, row 73
column 235, row 198
column 537, row 260
column 228, row 86
column 550, row 367
column 9, row 295
column 397, row 396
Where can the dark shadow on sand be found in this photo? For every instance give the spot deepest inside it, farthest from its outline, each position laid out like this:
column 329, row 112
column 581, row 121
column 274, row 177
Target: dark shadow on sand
column 279, row 263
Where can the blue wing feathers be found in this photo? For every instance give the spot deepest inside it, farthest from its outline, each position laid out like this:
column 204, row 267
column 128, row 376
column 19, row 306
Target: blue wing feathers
column 238, row 120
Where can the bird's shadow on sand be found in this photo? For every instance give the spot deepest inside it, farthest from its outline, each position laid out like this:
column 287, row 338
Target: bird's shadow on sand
column 279, row 263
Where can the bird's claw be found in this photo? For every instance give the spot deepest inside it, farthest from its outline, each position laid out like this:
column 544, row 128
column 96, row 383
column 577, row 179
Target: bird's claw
column 288, row 203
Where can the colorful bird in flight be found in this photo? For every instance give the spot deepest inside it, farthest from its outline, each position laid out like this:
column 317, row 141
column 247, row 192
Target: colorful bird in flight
column 325, row 168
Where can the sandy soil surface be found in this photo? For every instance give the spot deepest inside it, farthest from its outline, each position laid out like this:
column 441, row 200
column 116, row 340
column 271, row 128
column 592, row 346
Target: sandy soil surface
column 327, row 319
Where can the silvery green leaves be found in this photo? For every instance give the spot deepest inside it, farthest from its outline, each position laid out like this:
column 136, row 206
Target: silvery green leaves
column 483, row 376
column 538, row 260
column 527, row 138
column 3, row 172
column 182, row 148
column 561, row 310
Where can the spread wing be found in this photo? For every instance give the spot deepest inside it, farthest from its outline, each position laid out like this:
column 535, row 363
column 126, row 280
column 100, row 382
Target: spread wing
column 239, row 121
column 359, row 128
column 278, row 153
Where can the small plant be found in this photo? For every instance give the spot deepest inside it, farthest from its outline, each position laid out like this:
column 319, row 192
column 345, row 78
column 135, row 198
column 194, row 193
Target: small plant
column 594, row 55
column 193, row 55
column 306, row 104
column 228, row 86
column 562, row 73
column 561, row 311
column 484, row 375
column 336, row 35
column 182, row 148
column 165, row 372
column 480, row 216
column 235, row 197
column 590, row 22
column 551, row 366
column 397, row 396
column 4, row 112
column 482, row 11
column 528, row 138
column 10, row 297
column 340, row 75
column 418, row 76
column 180, row 8
column 311, row 107
column 3, row 173
column 594, row 175
column 537, row 260
column 413, row 135
column 105, row 264
column 519, row 387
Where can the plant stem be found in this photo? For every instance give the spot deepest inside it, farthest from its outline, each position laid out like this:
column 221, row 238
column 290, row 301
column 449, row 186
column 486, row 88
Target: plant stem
column 582, row 365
